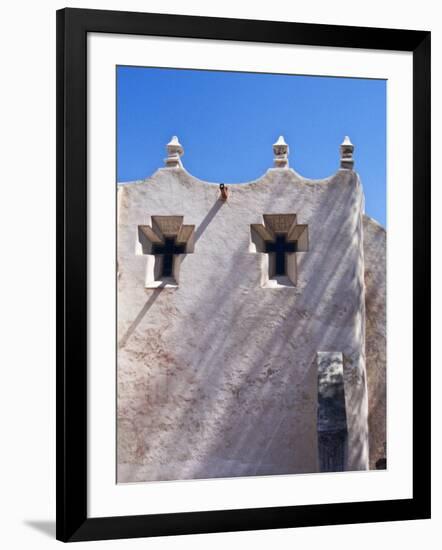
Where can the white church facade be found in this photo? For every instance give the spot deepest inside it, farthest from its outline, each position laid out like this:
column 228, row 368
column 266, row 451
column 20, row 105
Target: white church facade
column 251, row 325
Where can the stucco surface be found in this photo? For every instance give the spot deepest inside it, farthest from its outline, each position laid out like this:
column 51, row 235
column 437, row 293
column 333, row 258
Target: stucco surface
column 218, row 376
column 376, row 336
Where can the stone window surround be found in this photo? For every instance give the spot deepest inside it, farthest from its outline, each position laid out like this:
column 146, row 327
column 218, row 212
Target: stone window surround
column 278, row 224
column 163, row 227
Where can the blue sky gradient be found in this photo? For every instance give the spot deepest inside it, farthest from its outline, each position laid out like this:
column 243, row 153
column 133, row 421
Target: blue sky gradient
column 228, row 121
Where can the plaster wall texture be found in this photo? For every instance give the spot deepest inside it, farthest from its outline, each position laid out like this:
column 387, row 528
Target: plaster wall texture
column 375, row 250
column 217, row 377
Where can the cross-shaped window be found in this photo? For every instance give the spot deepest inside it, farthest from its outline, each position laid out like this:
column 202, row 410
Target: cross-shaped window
column 168, row 250
column 165, row 243
column 280, row 247
column 280, row 238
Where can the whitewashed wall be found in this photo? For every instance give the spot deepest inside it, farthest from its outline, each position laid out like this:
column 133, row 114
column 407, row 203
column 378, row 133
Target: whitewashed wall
column 218, row 377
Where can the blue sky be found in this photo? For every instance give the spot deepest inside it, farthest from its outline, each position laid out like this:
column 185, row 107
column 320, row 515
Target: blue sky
column 228, row 121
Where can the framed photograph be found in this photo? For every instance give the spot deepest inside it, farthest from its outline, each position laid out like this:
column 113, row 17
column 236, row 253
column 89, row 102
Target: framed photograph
column 243, row 274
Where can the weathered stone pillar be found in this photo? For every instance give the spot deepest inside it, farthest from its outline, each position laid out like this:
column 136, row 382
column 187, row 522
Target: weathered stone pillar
column 332, row 417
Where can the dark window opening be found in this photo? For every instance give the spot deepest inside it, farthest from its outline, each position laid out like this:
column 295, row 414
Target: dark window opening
column 168, row 250
column 280, row 247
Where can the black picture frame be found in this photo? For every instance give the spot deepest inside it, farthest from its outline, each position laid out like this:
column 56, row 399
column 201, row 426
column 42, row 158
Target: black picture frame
column 73, row 25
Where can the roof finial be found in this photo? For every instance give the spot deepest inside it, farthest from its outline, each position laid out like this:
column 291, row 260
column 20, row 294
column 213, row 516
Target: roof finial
column 347, row 149
column 281, row 152
column 174, row 152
